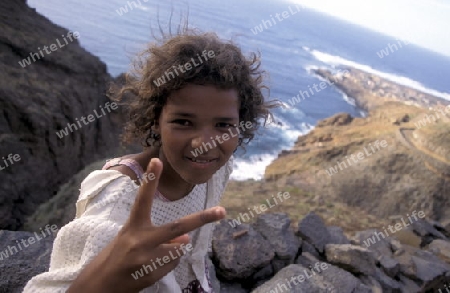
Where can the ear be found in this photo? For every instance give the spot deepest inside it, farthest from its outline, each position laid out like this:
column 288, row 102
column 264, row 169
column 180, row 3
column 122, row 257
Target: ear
column 156, row 128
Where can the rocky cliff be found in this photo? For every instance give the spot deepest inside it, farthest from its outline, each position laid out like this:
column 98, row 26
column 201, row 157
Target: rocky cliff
column 58, row 83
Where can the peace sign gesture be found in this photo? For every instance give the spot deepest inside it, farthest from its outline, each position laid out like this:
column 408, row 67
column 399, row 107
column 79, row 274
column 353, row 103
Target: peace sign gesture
column 139, row 242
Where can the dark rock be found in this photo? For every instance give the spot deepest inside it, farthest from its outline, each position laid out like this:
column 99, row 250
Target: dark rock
column 373, row 285
column 378, row 243
column 388, row 284
column 337, row 235
column 351, row 258
column 404, row 258
column 427, row 270
column 239, row 252
column 312, row 229
column 297, row 279
column 259, row 277
column 231, row 288
column 40, row 99
column 19, row 263
column 441, row 228
column 440, row 248
column 342, row 280
column 389, row 265
column 395, row 245
column 363, row 289
column 375, row 241
column 430, row 272
column 427, row 231
column 307, row 247
column 446, row 225
column 306, row 259
column 408, row 285
column 275, row 229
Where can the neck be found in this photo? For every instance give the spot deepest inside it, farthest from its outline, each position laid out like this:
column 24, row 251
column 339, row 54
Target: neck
column 171, row 185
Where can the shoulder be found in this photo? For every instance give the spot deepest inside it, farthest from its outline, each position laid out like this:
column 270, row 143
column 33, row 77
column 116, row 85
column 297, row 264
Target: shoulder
column 125, row 170
column 129, row 165
column 101, row 190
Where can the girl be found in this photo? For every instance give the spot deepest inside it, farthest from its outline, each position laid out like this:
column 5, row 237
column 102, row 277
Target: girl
column 197, row 98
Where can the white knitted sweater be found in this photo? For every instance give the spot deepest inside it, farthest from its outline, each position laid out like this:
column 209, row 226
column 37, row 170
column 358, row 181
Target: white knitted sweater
column 104, row 205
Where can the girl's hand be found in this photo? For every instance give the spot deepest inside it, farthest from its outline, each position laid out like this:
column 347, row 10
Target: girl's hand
column 140, row 243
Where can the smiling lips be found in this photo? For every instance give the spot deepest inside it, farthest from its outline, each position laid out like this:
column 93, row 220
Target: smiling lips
column 202, row 160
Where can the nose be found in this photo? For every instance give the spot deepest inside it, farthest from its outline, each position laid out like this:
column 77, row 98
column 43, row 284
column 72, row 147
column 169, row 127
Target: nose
column 204, row 139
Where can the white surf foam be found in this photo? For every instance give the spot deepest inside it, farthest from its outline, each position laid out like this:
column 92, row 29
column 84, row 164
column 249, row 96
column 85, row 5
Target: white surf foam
column 255, row 166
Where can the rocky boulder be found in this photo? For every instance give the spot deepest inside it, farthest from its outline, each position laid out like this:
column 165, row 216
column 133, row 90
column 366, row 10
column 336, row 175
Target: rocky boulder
column 275, row 228
column 231, row 251
column 313, row 229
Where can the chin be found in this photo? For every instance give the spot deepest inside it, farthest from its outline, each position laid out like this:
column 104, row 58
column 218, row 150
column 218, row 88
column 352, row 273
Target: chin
column 196, row 179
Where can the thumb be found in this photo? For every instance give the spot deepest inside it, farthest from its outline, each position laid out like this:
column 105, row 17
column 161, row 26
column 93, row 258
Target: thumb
column 142, row 207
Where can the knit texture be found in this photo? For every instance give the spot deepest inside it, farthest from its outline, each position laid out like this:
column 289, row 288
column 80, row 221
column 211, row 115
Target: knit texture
column 103, row 207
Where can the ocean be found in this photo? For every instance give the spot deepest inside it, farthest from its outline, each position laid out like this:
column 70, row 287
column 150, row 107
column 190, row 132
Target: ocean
column 291, row 38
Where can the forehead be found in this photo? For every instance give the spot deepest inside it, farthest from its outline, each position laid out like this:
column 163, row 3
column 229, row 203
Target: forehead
column 205, row 101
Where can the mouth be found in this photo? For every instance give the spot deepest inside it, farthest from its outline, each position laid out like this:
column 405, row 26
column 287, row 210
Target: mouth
column 202, row 161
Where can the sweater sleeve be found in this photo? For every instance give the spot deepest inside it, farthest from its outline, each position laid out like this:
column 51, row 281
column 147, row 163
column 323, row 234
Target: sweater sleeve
column 97, row 223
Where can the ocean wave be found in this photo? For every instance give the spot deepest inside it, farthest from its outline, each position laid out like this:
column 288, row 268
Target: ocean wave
column 252, row 168
column 255, row 166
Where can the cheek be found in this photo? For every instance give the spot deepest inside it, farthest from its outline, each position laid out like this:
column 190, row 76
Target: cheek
column 230, row 145
column 171, row 143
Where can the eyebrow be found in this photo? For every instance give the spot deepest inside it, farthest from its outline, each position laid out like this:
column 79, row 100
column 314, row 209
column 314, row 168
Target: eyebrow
column 190, row 115
column 183, row 114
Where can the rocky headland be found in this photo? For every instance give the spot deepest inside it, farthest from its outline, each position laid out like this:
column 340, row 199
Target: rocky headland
column 369, row 197
column 395, row 160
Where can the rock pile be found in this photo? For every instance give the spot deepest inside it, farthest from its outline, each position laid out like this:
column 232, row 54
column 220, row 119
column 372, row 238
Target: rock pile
column 267, row 256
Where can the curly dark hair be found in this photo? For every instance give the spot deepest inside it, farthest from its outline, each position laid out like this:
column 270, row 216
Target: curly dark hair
column 228, row 69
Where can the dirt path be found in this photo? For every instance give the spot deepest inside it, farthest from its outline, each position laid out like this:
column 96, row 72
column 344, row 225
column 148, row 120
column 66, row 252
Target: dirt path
column 404, row 135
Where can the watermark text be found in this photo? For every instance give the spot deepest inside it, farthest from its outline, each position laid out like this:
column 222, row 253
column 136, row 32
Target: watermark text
column 37, row 56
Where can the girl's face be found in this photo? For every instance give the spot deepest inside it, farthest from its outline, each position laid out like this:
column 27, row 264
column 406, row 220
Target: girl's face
column 197, row 131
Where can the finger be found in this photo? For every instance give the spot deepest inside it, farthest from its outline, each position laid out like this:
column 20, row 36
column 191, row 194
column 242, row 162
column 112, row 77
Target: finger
column 142, row 206
column 181, row 239
column 186, row 224
column 175, row 250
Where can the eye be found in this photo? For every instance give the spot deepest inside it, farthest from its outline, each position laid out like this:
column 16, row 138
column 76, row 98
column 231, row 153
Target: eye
column 182, row 122
column 225, row 125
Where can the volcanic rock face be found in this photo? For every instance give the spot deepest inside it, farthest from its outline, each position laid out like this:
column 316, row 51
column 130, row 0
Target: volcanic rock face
column 22, row 256
column 39, row 99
